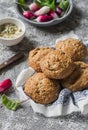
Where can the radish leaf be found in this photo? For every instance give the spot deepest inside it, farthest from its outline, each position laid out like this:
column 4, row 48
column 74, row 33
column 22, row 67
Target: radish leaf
column 22, row 2
column 10, row 104
column 49, row 3
column 64, row 4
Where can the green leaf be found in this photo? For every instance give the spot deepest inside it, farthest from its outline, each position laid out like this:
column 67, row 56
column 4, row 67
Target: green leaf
column 22, row 2
column 64, row 4
column 10, row 104
column 52, row 5
column 49, row 3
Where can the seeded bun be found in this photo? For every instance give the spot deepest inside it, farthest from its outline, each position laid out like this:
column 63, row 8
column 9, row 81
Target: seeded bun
column 73, row 48
column 42, row 89
column 57, row 65
column 78, row 80
column 36, row 55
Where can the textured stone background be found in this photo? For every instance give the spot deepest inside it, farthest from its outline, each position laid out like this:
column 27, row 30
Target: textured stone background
column 24, row 118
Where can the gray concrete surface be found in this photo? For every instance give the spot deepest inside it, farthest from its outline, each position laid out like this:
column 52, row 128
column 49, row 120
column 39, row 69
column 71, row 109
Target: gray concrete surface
column 24, row 118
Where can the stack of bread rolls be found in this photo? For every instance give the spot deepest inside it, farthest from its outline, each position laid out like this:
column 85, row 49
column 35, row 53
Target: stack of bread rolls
column 62, row 66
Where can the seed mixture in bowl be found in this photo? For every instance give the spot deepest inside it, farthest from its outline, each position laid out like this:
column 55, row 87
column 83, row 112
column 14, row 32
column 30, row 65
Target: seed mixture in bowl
column 10, row 30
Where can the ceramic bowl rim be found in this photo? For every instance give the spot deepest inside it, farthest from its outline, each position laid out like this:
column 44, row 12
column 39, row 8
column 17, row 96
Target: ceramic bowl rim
column 45, row 23
column 18, row 20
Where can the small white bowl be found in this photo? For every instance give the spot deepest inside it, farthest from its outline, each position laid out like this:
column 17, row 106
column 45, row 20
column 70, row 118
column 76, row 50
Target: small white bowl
column 12, row 41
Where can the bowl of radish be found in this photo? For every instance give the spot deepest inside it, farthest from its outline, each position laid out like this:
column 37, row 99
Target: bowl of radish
column 44, row 12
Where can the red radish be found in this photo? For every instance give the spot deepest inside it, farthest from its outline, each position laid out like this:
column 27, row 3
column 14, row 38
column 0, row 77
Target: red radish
column 4, row 85
column 59, row 11
column 44, row 18
column 28, row 14
column 43, row 10
column 34, row 7
column 53, row 14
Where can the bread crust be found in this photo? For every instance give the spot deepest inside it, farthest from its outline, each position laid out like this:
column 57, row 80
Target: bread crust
column 78, row 80
column 42, row 89
column 57, row 65
column 36, row 55
column 73, row 48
